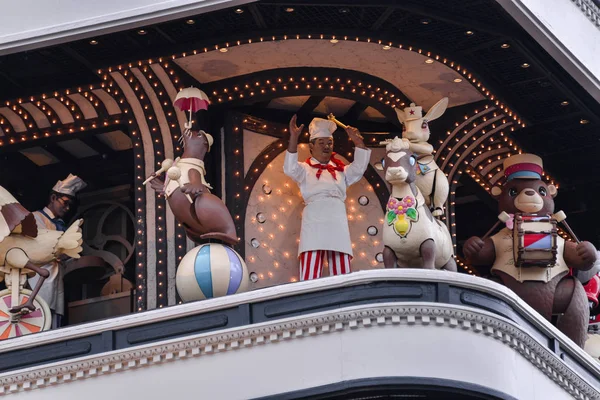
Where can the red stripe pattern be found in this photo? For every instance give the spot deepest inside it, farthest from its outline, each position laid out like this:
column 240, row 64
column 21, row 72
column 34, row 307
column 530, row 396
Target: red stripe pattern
column 312, row 263
column 523, row 167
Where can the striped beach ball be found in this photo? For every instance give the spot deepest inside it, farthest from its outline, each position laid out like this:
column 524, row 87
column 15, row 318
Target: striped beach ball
column 211, row 270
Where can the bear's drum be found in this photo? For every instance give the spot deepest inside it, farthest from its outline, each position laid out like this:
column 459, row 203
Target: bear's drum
column 535, row 240
column 211, row 270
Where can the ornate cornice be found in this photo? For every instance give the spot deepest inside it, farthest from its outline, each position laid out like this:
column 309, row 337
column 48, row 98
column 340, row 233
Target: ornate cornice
column 383, row 315
column 590, row 10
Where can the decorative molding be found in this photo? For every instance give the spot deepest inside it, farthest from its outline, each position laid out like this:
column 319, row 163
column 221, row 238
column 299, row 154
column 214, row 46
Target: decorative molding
column 352, row 318
column 461, row 281
column 590, row 10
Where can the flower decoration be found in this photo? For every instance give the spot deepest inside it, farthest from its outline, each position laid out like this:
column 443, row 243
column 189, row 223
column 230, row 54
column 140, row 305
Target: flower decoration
column 402, row 213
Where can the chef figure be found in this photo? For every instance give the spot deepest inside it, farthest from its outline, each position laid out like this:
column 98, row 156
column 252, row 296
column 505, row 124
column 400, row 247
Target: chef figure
column 323, row 180
column 51, row 217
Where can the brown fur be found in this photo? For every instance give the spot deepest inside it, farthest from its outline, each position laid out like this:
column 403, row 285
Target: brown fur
column 208, row 217
column 563, row 296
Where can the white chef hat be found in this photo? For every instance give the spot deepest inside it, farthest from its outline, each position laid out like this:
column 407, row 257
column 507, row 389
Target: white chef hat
column 321, row 128
column 70, row 186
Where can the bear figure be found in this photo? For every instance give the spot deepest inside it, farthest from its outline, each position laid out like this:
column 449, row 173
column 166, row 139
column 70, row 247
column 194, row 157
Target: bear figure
column 544, row 283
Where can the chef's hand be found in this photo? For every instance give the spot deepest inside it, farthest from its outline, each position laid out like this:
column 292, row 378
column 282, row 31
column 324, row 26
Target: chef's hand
column 355, row 136
column 295, row 132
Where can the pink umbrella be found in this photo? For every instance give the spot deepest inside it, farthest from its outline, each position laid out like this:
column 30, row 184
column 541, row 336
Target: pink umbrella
column 191, row 99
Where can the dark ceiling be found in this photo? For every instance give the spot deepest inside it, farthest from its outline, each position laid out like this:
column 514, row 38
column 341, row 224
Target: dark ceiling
column 472, row 32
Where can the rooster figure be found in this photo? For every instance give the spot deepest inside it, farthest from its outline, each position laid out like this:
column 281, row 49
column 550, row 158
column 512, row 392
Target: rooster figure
column 24, row 246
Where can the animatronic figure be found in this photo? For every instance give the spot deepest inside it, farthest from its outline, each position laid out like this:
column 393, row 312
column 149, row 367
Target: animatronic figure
column 24, row 245
column 202, row 214
column 51, row 217
column 431, row 181
column 323, row 180
column 411, row 236
column 529, row 256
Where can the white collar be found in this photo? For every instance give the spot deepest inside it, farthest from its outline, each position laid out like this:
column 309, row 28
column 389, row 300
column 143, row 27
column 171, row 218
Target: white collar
column 49, row 213
column 315, row 161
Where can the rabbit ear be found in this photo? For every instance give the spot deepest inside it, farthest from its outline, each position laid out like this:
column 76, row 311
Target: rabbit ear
column 400, row 114
column 437, row 110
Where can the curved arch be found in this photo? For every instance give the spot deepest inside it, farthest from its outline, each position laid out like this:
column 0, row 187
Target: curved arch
column 373, row 38
column 26, row 116
column 163, row 91
column 303, row 81
column 84, row 105
column 38, row 115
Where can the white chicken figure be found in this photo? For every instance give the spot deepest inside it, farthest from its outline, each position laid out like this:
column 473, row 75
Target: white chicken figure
column 430, row 179
column 25, row 246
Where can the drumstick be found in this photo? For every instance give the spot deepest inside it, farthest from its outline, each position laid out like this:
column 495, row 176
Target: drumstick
column 561, row 217
column 502, row 217
column 331, row 117
column 166, row 164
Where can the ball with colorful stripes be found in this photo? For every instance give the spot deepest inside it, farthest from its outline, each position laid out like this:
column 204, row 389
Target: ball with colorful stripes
column 211, row 270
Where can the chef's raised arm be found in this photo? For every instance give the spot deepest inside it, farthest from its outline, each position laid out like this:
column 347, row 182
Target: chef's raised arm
column 291, row 166
column 362, row 154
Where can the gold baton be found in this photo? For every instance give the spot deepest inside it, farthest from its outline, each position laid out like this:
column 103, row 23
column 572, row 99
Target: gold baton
column 331, row 117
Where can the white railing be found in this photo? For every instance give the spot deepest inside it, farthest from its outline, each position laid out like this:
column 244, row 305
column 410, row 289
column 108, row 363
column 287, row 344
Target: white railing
column 411, row 323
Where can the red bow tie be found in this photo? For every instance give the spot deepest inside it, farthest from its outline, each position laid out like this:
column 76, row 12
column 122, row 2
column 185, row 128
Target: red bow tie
column 339, row 166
